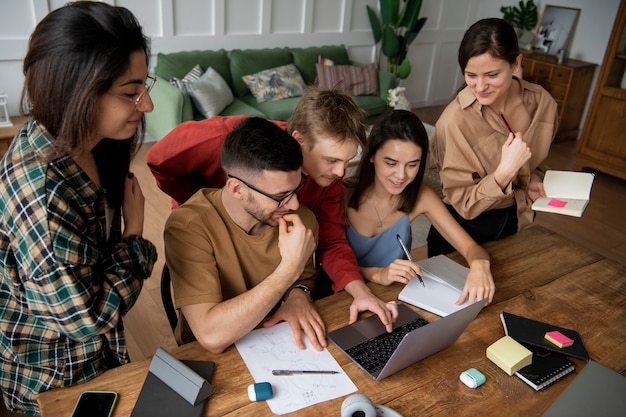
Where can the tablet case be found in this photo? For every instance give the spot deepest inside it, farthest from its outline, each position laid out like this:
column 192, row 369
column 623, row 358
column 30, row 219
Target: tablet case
column 596, row 391
column 532, row 332
column 174, row 388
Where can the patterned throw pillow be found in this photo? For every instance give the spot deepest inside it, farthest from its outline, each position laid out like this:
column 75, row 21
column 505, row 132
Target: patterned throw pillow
column 358, row 81
column 275, row 83
column 194, row 74
column 210, row 93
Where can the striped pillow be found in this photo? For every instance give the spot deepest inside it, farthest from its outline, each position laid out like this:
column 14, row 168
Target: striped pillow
column 358, row 81
column 193, row 75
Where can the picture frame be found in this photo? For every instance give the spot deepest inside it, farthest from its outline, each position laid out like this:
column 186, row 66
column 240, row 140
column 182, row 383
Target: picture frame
column 555, row 29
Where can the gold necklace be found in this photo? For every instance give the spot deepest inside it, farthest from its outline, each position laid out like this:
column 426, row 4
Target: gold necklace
column 380, row 220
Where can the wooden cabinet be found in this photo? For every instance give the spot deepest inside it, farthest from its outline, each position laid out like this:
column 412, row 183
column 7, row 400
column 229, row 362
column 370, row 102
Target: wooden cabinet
column 603, row 141
column 568, row 83
column 7, row 133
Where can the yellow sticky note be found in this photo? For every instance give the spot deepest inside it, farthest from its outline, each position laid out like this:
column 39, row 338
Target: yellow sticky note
column 509, row 355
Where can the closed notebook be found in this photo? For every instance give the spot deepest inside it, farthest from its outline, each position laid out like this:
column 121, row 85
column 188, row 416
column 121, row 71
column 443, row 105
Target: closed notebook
column 546, row 368
column 532, row 332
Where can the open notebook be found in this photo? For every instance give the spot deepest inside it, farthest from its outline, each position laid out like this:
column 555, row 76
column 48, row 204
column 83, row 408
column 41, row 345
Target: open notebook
column 443, row 283
column 567, row 192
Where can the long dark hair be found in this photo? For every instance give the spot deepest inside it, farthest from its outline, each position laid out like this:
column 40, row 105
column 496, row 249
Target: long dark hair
column 74, row 55
column 394, row 125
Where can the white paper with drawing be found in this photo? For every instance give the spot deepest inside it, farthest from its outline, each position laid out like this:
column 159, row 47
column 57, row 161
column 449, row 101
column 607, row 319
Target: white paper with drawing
column 444, row 280
column 264, row 350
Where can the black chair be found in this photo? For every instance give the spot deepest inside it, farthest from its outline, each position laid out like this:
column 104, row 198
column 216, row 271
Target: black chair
column 166, row 297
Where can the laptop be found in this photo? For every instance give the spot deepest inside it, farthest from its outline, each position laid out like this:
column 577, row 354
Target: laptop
column 382, row 354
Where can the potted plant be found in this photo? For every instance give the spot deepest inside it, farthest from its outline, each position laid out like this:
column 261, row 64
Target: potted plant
column 398, row 25
column 523, row 18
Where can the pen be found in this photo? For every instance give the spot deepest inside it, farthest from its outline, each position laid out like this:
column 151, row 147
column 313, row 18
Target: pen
column 408, row 256
column 289, row 372
column 507, row 124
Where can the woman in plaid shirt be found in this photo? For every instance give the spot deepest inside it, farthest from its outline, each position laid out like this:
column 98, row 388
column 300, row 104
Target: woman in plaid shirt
column 72, row 255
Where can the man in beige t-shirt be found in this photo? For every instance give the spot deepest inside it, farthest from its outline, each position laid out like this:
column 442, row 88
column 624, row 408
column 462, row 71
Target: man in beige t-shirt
column 239, row 253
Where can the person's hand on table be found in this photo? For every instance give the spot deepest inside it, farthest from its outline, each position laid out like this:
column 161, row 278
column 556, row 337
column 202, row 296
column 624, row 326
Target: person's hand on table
column 299, row 312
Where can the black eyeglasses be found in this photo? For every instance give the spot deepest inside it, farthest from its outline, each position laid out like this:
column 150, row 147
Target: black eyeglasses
column 282, row 201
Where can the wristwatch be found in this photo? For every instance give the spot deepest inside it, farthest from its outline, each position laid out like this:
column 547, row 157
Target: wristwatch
column 302, row 287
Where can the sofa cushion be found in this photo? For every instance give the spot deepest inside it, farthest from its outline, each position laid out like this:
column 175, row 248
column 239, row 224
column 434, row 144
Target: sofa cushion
column 357, row 81
column 250, row 61
column 238, row 107
column 275, row 83
column 373, row 105
column 210, row 93
column 273, row 110
column 177, row 64
column 193, row 75
column 306, row 58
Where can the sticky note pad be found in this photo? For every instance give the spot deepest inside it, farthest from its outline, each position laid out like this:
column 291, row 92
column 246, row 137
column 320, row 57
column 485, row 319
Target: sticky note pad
column 509, row 355
column 559, row 339
column 555, row 202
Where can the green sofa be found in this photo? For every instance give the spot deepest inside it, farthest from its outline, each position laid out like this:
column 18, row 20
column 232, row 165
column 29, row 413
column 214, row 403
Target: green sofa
column 172, row 106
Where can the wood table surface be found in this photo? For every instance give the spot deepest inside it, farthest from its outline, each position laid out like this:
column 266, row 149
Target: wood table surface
column 538, row 274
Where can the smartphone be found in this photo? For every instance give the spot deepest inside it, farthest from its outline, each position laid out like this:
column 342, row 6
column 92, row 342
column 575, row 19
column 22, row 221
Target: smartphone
column 95, row 404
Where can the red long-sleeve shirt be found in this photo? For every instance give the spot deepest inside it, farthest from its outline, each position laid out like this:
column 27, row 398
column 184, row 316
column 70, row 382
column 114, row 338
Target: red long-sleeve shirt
column 188, row 158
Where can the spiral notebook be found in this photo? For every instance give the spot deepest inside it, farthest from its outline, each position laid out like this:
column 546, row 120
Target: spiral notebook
column 547, row 367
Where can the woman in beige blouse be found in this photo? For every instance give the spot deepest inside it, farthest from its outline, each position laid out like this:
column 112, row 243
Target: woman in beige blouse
column 491, row 140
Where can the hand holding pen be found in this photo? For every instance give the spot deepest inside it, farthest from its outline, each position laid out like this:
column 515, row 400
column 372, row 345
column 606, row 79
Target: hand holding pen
column 408, row 256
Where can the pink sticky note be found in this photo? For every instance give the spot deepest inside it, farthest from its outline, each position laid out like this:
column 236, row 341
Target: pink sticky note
column 559, row 339
column 555, row 202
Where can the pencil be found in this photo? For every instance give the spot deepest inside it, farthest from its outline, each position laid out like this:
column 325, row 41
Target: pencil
column 507, row 124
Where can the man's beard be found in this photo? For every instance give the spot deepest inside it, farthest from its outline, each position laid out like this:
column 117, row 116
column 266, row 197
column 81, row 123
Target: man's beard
column 261, row 216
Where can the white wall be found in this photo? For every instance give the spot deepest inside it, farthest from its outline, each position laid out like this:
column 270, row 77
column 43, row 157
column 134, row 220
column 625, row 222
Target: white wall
column 177, row 25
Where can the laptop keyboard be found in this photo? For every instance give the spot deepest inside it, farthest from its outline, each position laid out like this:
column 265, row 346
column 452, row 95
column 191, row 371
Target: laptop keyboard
column 374, row 353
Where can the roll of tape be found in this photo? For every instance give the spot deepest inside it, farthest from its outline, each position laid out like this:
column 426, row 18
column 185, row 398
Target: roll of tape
column 260, row 391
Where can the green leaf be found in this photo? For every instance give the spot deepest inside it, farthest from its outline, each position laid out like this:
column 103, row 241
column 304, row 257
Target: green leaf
column 523, row 16
column 403, row 71
column 375, row 24
column 391, row 44
column 411, row 13
column 389, row 11
column 410, row 37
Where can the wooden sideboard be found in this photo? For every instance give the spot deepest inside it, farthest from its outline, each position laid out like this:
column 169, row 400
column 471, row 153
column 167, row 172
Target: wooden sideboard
column 7, row 133
column 568, row 83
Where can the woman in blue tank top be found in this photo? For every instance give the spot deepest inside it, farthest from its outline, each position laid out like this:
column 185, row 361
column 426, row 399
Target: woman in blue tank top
column 387, row 194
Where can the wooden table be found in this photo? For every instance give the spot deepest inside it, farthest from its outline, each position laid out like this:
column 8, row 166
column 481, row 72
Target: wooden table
column 572, row 287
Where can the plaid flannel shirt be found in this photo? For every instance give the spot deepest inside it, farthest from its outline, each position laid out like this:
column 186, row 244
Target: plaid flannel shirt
column 64, row 286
